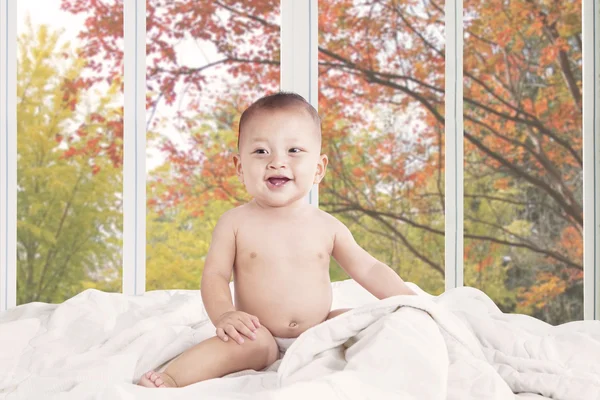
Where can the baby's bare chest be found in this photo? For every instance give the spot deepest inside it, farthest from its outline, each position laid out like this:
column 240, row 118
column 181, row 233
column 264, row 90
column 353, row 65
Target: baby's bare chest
column 281, row 244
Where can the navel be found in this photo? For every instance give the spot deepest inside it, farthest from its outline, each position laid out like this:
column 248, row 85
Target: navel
column 253, row 255
column 320, row 255
column 293, row 324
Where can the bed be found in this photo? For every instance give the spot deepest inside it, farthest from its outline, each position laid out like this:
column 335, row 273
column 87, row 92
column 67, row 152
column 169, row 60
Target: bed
column 458, row 345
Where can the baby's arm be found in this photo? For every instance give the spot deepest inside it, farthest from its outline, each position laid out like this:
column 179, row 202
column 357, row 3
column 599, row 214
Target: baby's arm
column 218, row 268
column 215, row 286
column 379, row 279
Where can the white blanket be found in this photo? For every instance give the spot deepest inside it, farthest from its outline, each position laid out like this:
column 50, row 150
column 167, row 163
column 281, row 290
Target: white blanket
column 454, row 346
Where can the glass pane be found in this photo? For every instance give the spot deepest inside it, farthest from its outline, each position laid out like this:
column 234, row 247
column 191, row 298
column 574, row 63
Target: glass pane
column 69, row 140
column 523, row 162
column 206, row 62
column 381, row 97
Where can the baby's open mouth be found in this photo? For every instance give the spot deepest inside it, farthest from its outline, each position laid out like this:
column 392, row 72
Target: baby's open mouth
column 278, row 180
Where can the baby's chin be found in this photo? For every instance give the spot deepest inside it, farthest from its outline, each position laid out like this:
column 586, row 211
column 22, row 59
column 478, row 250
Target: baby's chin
column 283, row 202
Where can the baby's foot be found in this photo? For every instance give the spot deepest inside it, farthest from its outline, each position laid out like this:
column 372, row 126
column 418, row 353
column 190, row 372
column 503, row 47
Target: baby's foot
column 153, row 379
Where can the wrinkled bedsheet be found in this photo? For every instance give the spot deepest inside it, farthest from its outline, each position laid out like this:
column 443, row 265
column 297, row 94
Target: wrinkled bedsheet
column 458, row 345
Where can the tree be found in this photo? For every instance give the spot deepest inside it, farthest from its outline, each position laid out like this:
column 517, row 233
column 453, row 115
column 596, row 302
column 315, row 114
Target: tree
column 522, row 98
column 68, row 207
column 184, row 206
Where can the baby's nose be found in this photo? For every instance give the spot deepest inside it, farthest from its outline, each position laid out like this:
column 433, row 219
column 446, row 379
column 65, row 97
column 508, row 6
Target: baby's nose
column 277, row 163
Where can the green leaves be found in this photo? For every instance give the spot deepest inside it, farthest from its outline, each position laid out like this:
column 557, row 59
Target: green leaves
column 69, row 220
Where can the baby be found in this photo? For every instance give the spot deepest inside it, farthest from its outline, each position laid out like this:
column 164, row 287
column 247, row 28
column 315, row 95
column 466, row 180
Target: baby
column 278, row 248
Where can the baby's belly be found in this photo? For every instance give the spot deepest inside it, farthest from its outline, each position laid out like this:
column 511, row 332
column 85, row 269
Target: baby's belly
column 285, row 307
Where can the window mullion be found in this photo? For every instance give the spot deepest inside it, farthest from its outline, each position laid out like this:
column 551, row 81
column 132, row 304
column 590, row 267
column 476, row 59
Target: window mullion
column 299, row 55
column 8, row 154
column 591, row 159
column 134, row 148
column 454, row 145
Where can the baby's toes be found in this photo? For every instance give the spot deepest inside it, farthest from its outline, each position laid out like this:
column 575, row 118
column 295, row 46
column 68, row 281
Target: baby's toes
column 146, row 380
column 157, row 380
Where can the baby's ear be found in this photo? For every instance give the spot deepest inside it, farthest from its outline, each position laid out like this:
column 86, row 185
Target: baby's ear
column 237, row 163
column 321, row 168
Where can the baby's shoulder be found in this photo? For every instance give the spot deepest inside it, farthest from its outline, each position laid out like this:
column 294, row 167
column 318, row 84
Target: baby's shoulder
column 232, row 216
column 328, row 221
column 234, row 212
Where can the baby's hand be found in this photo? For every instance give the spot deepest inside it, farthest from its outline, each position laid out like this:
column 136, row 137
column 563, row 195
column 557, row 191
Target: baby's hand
column 232, row 323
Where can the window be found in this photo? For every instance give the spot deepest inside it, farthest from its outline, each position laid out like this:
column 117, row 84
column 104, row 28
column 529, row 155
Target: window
column 523, row 156
column 69, row 151
column 381, row 92
column 204, row 66
column 528, row 100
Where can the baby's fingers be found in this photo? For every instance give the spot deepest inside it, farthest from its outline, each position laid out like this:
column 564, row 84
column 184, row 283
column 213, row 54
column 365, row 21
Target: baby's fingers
column 255, row 321
column 233, row 333
column 222, row 335
column 249, row 323
column 246, row 332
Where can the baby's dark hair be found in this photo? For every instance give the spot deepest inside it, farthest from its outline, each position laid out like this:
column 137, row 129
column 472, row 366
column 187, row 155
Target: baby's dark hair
column 278, row 101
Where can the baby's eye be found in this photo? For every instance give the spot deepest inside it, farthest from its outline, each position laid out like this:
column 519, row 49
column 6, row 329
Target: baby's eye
column 260, row 151
column 295, row 150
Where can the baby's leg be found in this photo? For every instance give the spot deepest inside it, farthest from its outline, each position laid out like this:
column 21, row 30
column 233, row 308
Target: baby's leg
column 214, row 358
column 337, row 312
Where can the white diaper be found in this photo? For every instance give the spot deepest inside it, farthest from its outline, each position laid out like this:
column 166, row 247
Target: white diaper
column 284, row 344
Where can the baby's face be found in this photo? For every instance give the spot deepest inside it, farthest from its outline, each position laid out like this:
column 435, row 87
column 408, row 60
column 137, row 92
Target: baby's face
column 280, row 156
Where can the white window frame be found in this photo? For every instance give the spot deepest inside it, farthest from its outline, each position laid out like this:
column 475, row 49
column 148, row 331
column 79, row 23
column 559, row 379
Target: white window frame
column 591, row 158
column 134, row 148
column 8, row 154
column 300, row 56
column 299, row 73
column 454, row 136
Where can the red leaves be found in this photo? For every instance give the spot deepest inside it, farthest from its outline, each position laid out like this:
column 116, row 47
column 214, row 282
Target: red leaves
column 358, row 172
column 70, row 152
column 93, row 144
column 572, row 241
